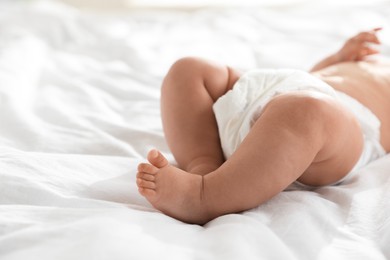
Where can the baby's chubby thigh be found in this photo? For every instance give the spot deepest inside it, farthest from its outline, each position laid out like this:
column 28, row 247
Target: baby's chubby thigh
column 342, row 137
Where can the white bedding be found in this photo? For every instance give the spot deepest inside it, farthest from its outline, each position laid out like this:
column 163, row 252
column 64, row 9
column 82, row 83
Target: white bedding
column 79, row 109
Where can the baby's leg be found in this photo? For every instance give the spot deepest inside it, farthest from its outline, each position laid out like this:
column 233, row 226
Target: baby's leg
column 188, row 94
column 311, row 138
column 294, row 133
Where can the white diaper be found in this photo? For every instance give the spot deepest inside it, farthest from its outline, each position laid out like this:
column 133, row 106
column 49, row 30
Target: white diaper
column 239, row 108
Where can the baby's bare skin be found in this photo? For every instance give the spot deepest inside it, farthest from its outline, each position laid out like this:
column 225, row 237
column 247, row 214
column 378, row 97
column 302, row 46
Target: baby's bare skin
column 369, row 83
column 328, row 136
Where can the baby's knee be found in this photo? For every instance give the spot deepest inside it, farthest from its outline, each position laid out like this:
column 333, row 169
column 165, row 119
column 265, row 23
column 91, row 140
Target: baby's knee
column 185, row 66
column 182, row 73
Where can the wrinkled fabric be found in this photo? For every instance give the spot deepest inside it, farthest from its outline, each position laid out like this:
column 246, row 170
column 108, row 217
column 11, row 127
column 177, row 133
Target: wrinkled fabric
column 79, row 109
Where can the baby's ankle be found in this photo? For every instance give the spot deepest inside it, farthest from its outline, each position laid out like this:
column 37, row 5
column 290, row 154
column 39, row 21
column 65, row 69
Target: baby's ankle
column 202, row 169
column 202, row 166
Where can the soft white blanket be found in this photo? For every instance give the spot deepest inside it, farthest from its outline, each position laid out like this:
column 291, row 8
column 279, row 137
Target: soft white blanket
column 79, row 109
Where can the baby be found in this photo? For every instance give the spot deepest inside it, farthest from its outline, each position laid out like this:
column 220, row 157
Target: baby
column 240, row 139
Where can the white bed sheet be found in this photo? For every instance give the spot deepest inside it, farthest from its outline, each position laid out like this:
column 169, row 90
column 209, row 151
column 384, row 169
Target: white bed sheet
column 79, row 109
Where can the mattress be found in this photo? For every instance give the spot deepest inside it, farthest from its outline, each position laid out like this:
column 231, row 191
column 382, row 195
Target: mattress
column 79, row 109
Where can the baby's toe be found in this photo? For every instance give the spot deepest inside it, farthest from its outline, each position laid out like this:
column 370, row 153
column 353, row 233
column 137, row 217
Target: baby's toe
column 145, row 176
column 146, row 192
column 147, row 168
column 146, row 184
column 157, row 159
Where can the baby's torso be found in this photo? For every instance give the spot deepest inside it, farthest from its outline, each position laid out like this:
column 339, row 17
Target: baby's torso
column 367, row 82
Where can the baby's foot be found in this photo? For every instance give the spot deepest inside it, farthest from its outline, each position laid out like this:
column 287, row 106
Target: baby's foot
column 173, row 191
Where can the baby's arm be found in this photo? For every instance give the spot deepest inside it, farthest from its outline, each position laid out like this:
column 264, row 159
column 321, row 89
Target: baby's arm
column 354, row 49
